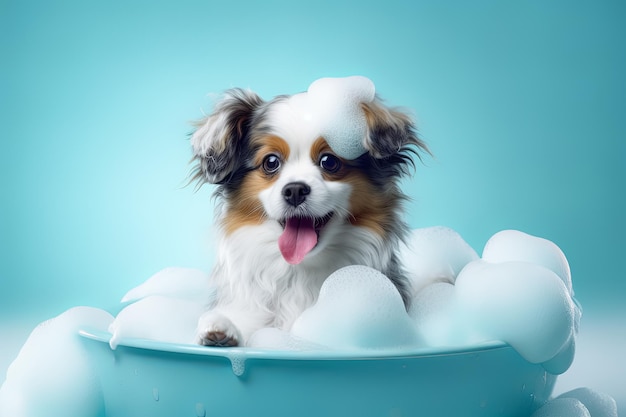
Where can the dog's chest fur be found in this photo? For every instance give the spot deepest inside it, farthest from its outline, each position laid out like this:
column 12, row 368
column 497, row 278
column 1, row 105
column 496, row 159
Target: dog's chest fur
column 251, row 271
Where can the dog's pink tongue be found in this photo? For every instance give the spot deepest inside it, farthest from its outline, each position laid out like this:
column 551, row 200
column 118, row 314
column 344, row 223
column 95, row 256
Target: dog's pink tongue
column 298, row 239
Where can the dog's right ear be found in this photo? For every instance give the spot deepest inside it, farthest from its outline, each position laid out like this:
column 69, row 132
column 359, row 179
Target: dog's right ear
column 220, row 139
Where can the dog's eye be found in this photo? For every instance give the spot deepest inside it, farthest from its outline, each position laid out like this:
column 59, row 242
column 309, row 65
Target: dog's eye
column 271, row 164
column 330, row 163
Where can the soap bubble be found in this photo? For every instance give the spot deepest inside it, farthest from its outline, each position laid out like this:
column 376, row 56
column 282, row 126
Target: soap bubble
column 598, row 403
column 162, row 318
column 52, row 375
column 563, row 407
column 563, row 359
column 331, row 108
column 166, row 307
column 434, row 254
column 358, row 308
column 513, row 245
column 336, row 104
column 175, row 282
column 518, row 293
column 523, row 304
column 581, row 402
column 433, row 310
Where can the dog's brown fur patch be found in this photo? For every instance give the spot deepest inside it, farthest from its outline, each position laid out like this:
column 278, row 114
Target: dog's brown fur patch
column 245, row 208
column 270, row 145
column 368, row 206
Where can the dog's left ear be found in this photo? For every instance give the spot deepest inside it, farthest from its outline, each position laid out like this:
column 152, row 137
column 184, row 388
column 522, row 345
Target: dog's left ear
column 389, row 131
column 220, row 140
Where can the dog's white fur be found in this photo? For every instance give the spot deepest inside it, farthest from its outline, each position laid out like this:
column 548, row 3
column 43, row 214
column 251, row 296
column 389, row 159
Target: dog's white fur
column 256, row 287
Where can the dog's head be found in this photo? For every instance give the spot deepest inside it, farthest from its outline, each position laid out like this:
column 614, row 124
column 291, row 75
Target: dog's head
column 272, row 167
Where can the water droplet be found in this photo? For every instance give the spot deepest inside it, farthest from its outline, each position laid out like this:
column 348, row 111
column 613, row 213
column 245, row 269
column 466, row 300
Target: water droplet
column 200, row 410
column 155, row 394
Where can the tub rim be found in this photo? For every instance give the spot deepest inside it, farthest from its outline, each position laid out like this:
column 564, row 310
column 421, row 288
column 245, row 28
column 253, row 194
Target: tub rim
column 295, row 355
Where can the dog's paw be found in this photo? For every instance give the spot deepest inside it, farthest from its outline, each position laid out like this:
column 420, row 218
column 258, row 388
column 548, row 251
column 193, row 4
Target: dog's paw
column 217, row 331
column 217, row 338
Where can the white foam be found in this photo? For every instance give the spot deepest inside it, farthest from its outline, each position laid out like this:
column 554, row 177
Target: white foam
column 434, row 312
column 523, row 304
column 520, row 292
column 358, row 308
column 513, row 245
column 581, row 402
column 331, row 108
column 187, row 283
column 157, row 317
column 337, row 102
column 165, row 307
column 563, row 407
column 434, row 254
column 598, row 403
column 564, row 358
column 237, row 362
column 52, row 375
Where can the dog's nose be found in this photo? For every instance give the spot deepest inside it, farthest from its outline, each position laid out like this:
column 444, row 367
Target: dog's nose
column 295, row 193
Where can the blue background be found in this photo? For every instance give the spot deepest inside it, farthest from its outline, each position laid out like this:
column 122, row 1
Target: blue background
column 522, row 104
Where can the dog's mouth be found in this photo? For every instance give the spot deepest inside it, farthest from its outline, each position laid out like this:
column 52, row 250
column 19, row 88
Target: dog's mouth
column 300, row 236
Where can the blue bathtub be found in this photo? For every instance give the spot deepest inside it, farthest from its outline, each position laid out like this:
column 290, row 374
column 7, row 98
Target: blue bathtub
column 155, row 379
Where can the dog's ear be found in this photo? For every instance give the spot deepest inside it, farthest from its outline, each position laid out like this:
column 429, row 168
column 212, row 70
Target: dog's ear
column 389, row 131
column 220, row 139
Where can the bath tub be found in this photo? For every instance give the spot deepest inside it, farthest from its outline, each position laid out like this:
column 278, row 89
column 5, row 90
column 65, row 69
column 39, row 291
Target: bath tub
column 155, row 379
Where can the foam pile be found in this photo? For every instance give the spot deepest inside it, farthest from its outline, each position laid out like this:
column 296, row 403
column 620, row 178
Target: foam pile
column 519, row 292
column 166, row 307
column 184, row 283
column 52, row 375
column 167, row 319
column 581, row 402
column 358, row 307
column 331, row 107
column 435, row 254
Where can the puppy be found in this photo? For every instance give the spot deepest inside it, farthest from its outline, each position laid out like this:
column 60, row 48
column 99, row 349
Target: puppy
column 291, row 211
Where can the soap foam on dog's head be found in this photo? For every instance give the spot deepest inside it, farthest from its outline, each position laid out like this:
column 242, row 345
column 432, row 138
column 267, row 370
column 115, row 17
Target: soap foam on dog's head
column 333, row 109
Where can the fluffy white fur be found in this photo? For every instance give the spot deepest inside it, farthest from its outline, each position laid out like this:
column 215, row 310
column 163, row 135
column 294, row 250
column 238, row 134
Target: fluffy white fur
column 259, row 289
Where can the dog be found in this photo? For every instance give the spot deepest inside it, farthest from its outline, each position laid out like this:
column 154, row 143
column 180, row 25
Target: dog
column 291, row 211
